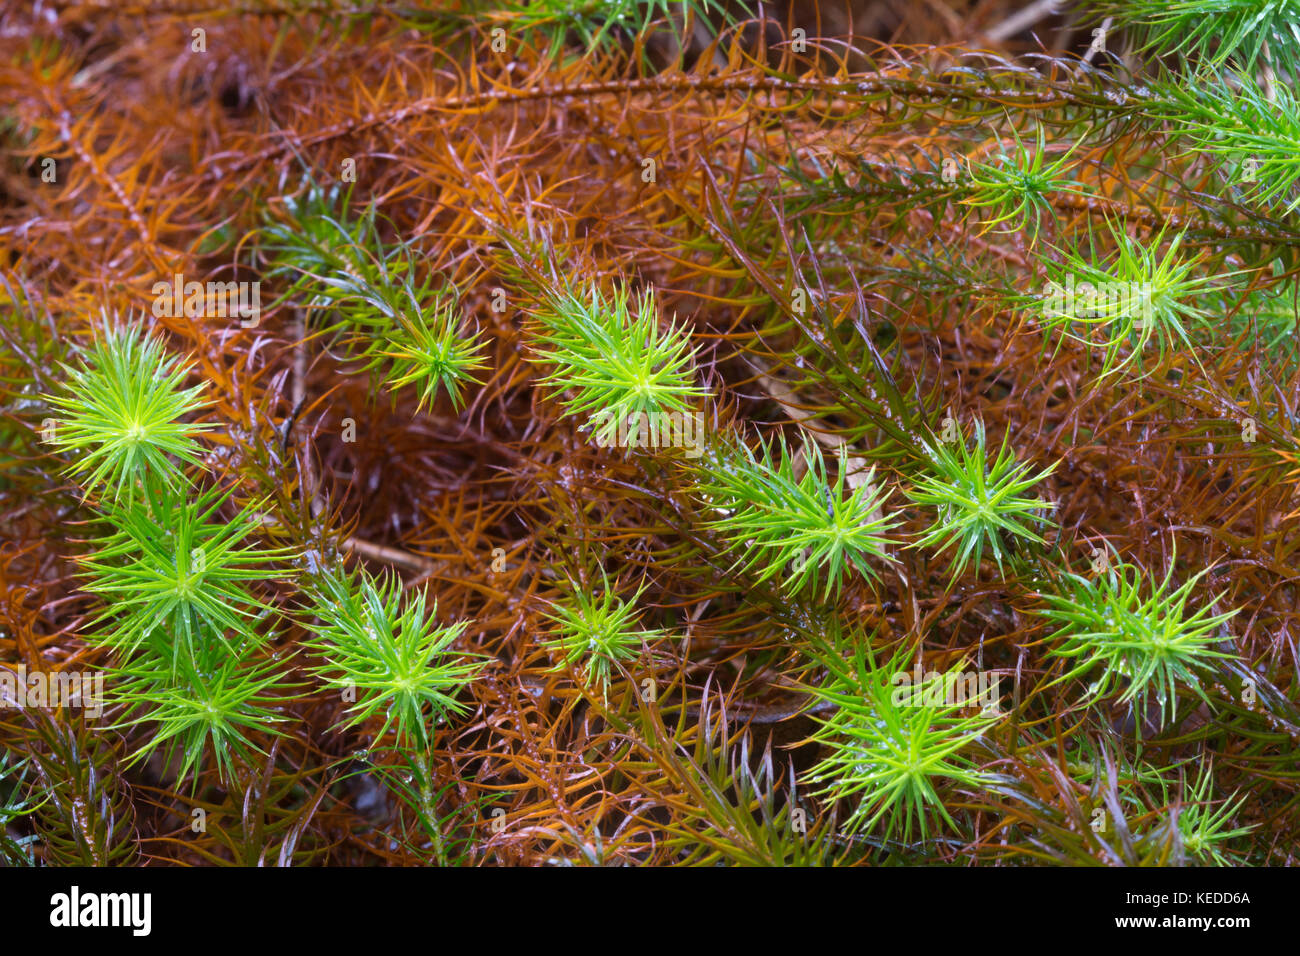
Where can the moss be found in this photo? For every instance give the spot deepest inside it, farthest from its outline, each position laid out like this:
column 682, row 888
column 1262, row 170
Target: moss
column 387, row 511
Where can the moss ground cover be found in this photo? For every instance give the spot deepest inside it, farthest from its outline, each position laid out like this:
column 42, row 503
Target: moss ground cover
column 646, row 433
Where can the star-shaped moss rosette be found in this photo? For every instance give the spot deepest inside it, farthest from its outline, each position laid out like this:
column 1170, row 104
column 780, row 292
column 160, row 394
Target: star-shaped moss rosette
column 432, row 352
column 981, row 501
column 175, row 573
column 1122, row 294
column 1014, row 185
column 1135, row 632
column 386, row 650
column 1204, row 828
column 594, row 633
column 610, row 361
column 805, row 531
column 402, row 321
column 123, row 416
column 888, row 753
column 211, row 705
